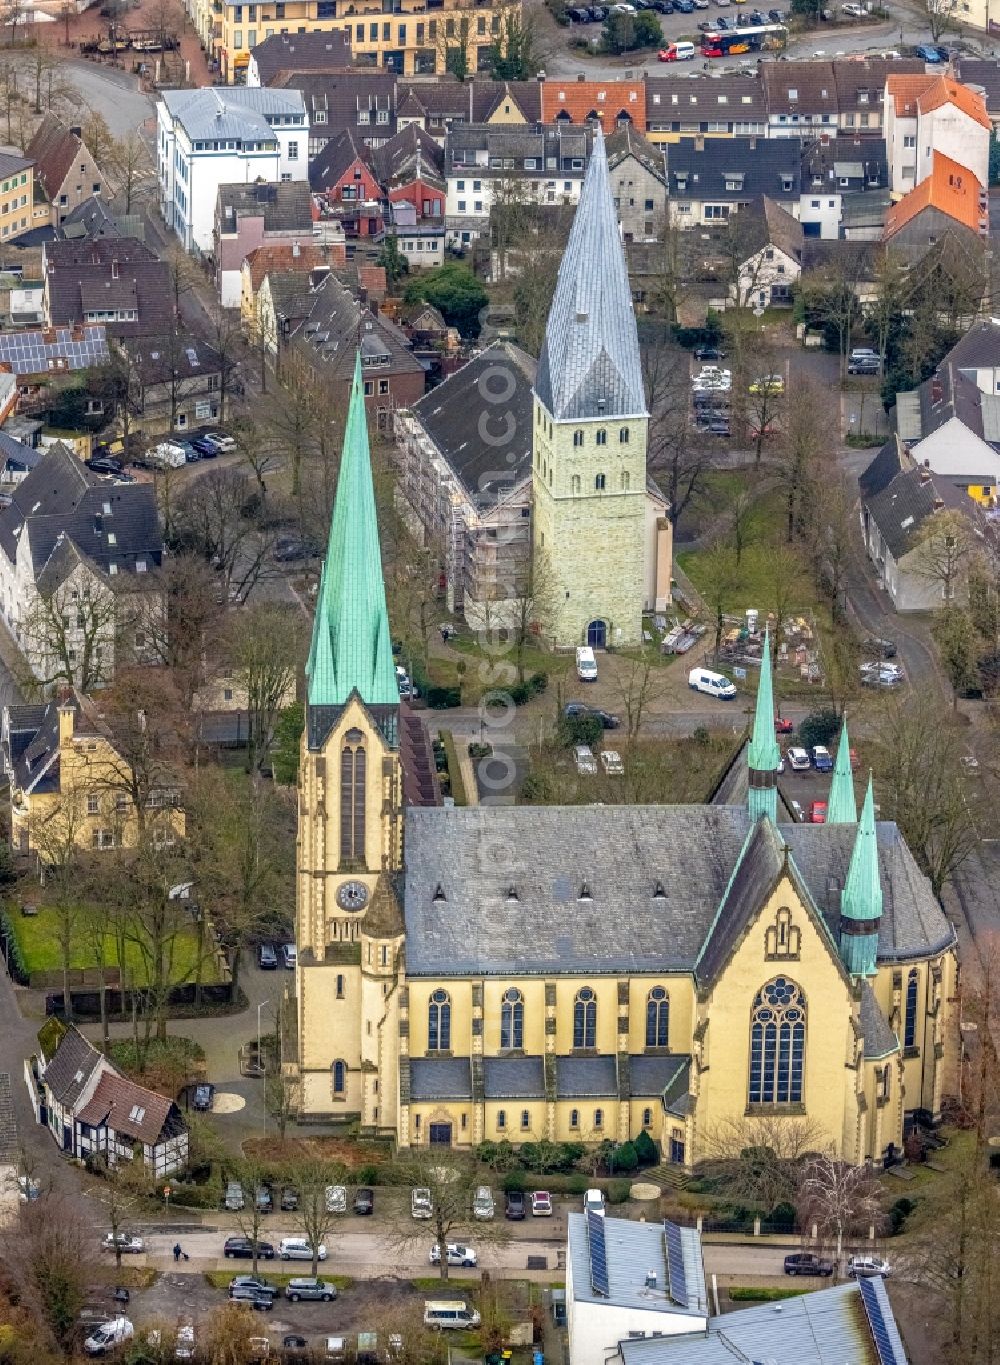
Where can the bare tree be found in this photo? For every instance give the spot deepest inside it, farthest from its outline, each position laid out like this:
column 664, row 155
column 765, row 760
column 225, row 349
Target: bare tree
column 720, row 579
column 803, row 451
column 282, row 1097
column 314, row 1217
column 120, row 1193
column 638, row 682
column 677, row 453
column 451, row 1183
column 760, row 1159
column 57, row 836
column 49, row 1255
column 68, row 634
column 230, row 1337
column 218, row 518
column 945, row 544
column 265, row 650
column 840, row 1200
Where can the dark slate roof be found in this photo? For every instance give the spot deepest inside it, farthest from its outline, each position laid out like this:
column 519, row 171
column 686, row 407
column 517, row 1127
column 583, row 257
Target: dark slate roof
column 158, row 358
column 575, row 866
column 109, row 273
column 398, row 161
column 12, row 165
column 34, row 753
column 349, row 99
column 861, row 161
column 15, row 455
column 849, row 260
column 902, row 507
column 764, row 223
column 337, row 157
column 581, row 1078
column 728, row 98
column 326, row 51
column 761, row 164
column 490, row 98
column 627, row 141
column 444, row 98
column 677, row 1097
column 96, row 219
column 861, row 85
column 327, row 339
column 440, row 1078
column 879, row 1038
column 456, row 413
column 467, row 143
column 54, row 150
column 984, row 73
column 62, row 500
column 650, row 1076
column 285, row 207
column 73, row 1065
column 131, row 1110
column 514, row 1078
column 890, row 461
column 978, row 348
column 799, row 87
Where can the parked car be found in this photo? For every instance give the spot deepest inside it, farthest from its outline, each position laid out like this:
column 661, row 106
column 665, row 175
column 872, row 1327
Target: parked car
column 101, row 464
column 806, row 1263
column 289, row 956
column 783, row 726
column 583, row 757
column 709, row 352
column 364, row 1201
column 853, row 11
column 456, row 1253
column 821, row 759
column 108, row 1337
column 221, row 440
column 929, row 54
column 593, row 1202
column 253, row 1282
column 865, row 1267
column 184, row 1342
column 942, row 52
column 775, row 15
column 879, row 648
column 298, row 1249
column 798, row 760
column 264, row 1199
column 336, row 1198
column 514, row 1207
column 608, row 719
column 881, row 675
column 126, row 1242
column 870, row 367
column 541, row 1204
column 816, row 814
column 483, row 1206
column 611, row 762
column 768, row 383
column 241, row 1248
column 289, row 1199
column 308, row 1288
column 205, row 447
column 260, row 1303
column 289, row 548
column 204, row 1097
column 267, row 958
column 234, row 1199
column 420, row 1204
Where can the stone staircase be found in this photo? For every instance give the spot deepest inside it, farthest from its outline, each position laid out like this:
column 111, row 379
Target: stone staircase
column 667, row 1177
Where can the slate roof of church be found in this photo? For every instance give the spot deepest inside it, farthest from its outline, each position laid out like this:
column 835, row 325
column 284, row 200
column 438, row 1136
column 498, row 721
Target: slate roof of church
column 879, row 1038
column 521, row 1078
column 440, row 1078
column 590, row 366
column 617, row 854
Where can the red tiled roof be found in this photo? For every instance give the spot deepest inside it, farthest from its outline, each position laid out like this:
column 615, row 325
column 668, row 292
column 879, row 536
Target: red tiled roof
column 951, row 188
column 265, row 260
column 905, row 91
column 54, row 150
column 943, row 90
column 607, row 99
column 131, row 1110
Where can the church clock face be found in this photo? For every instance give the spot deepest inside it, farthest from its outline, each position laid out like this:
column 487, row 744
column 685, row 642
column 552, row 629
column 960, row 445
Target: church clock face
column 352, row 896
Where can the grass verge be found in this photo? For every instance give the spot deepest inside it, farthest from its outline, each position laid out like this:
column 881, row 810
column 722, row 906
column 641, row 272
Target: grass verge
column 454, row 769
column 760, row 1294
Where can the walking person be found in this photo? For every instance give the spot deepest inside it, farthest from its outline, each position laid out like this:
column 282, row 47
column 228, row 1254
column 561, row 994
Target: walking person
column 177, row 1252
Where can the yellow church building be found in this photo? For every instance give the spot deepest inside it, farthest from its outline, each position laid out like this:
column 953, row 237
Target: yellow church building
column 598, row 971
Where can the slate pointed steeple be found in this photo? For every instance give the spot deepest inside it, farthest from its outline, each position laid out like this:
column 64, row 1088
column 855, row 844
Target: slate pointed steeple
column 842, row 808
column 589, row 366
column 351, row 649
column 763, row 753
column 861, row 898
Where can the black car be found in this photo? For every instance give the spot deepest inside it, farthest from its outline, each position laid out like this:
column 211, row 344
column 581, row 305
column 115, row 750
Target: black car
column 878, row 648
column 267, row 958
column 608, row 720
column 205, row 447
column 806, row 1263
column 942, row 52
column 515, row 1206
column 289, row 1199
column 204, row 1096
column 664, row 6
column 241, row 1249
column 364, row 1201
column 103, row 464
column 775, row 16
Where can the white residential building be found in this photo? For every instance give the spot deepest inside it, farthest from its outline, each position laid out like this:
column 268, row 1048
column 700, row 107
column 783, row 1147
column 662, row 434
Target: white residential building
column 925, row 115
column 629, row 1280
column 223, row 136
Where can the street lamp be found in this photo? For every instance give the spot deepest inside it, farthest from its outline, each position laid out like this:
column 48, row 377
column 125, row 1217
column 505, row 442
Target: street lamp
column 259, row 1008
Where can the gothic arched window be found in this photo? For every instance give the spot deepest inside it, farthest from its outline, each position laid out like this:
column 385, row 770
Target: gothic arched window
column 338, row 1079
column 910, row 1025
column 585, row 1018
column 576, row 483
column 777, row 1043
column 602, row 437
column 352, row 798
column 578, row 438
column 439, row 1022
column 512, row 1019
column 623, row 436
column 657, row 1018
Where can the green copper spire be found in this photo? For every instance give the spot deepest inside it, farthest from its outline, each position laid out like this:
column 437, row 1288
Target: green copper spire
column 861, row 898
column 351, row 649
column 842, row 808
column 763, row 754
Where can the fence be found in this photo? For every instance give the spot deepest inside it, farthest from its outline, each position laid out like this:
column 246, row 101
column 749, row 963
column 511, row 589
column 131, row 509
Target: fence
column 217, row 997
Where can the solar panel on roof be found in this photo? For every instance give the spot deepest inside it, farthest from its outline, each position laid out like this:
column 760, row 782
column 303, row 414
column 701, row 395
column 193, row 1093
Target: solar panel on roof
column 598, row 1255
column 888, row 1342
column 675, row 1263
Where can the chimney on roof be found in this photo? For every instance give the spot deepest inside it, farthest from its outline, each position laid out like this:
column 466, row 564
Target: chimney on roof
column 114, row 269
column 295, row 251
column 938, row 504
column 581, row 76
column 925, row 477
column 76, row 130
column 937, row 389
column 67, row 722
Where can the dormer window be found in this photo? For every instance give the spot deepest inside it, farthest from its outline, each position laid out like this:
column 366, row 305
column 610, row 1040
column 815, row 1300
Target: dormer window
column 793, row 94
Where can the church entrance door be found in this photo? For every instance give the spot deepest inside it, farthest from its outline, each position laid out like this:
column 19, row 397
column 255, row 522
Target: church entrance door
column 677, row 1151
column 597, row 634
column 440, row 1134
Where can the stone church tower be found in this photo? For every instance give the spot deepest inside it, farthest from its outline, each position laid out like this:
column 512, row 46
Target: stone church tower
column 589, row 437
column 349, row 924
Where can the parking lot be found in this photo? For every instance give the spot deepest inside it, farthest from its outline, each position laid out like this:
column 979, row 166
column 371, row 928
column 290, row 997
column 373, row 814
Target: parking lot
column 679, row 18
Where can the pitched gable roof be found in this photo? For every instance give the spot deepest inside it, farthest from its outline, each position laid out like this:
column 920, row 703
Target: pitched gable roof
column 329, row 50
column 264, row 260
column 490, row 98
column 764, row 223
column 337, row 157
column 950, row 188
column 943, row 90
column 285, row 207
column 71, row 1067
column 108, row 274
column 129, row 1109
column 577, row 101
column 905, row 91
column 53, row 149
column 410, row 151
column 628, row 141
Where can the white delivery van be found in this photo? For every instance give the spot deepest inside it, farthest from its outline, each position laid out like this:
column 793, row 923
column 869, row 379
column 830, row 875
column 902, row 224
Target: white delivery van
column 168, row 453
column 586, row 664
column 449, row 1313
column 712, row 684
column 682, row 52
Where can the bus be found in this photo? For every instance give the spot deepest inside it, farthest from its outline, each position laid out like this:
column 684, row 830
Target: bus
column 737, row 41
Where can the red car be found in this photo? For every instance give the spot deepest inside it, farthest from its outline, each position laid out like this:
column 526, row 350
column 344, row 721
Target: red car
column 783, row 726
column 816, row 814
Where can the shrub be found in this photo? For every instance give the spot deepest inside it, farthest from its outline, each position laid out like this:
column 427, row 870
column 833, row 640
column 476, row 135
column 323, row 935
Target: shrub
column 582, row 729
column 577, row 1184
column 626, row 1157
column 760, row 1294
column 15, row 960
column 477, row 750
column 819, row 727
column 368, row 1174
column 617, row 1191
column 513, row 1180
column 783, row 1215
column 700, row 735
column 646, row 1150
column 537, row 789
column 440, row 698
column 538, row 682
column 899, row 1213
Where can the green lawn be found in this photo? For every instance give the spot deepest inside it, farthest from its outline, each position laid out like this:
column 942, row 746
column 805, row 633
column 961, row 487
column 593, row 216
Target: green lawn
column 38, row 939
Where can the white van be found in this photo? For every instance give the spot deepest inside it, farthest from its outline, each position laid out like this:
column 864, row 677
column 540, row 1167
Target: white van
column 586, row 664
column 681, row 52
column 712, row 684
column 449, row 1313
column 168, row 453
